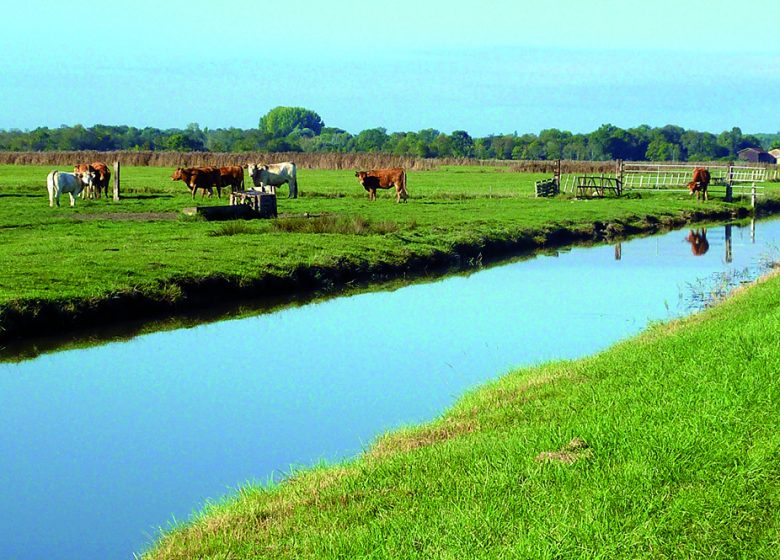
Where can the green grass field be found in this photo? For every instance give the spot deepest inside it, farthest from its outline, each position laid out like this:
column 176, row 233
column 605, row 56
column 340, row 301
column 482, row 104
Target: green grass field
column 664, row 446
column 142, row 244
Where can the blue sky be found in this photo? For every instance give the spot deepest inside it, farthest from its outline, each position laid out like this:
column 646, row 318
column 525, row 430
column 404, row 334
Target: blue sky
column 488, row 67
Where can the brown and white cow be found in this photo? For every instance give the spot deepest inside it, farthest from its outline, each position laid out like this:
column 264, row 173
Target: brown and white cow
column 232, row 176
column 700, row 182
column 384, row 179
column 205, row 178
column 102, row 178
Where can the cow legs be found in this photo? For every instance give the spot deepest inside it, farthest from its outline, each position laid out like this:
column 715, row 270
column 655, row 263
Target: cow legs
column 72, row 199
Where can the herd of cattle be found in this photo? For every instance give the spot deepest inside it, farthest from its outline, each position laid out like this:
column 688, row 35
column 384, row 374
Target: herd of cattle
column 93, row 179
column 90, row 180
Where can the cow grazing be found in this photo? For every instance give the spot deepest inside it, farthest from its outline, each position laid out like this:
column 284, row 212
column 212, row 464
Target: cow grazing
column 205, row 178
column 700, row 182
column 102, row 178
column 232, row 176
column 59, row 183
column 384, row 179
column 698, row 241
column 274, row 175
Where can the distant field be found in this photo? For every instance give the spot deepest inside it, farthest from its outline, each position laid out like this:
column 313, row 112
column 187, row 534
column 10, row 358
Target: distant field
column 95, row 251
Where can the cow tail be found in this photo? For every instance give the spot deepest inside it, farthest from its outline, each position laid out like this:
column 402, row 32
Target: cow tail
column 403, row 182
column 51, row 185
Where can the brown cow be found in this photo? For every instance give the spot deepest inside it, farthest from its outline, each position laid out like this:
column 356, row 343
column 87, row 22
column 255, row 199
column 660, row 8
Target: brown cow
column 384, row 179
column 233, row 176
column 102, row 178
column 700, row 182
column 199, row 178
column 698, row 241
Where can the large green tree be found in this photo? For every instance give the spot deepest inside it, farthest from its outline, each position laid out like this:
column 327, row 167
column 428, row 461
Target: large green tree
column 282, row 121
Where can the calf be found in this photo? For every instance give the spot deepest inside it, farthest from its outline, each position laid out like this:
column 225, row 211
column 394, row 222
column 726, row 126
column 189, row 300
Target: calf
column 205, row 178
column 384, row 179
column 59, row 182
column 700, row 182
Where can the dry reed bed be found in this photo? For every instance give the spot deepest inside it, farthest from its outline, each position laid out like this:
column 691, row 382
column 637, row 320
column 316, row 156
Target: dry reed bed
column 303, row 160
column 311, row 161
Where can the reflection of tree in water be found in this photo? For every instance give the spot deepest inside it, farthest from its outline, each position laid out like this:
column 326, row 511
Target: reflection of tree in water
column 698, row 240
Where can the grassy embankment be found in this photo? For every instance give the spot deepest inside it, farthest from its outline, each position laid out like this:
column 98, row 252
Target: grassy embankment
column 104, row 260
column 664, row 446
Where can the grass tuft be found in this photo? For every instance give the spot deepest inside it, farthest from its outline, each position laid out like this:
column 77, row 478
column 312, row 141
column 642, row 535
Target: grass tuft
column 233, row 228
column 349, row 225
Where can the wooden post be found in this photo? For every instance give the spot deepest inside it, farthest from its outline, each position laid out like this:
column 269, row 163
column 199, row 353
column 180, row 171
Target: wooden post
column 116, row 181
column 729, row 177
column 557, row 177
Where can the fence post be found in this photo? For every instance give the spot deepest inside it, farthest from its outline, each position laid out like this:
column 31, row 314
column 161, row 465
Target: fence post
column 729, row 177
column 116, row 181
column 557, row 178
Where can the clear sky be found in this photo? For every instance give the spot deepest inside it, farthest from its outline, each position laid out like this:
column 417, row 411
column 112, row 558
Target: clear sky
column 486, row 67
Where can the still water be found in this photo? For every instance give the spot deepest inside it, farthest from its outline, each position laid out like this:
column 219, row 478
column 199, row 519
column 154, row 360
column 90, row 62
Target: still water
column 99, row 447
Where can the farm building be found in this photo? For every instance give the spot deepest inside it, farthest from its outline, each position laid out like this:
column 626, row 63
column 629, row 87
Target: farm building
column 756, row 155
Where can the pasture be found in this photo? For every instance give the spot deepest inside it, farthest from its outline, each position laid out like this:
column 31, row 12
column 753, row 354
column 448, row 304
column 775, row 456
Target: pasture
column 142, row 245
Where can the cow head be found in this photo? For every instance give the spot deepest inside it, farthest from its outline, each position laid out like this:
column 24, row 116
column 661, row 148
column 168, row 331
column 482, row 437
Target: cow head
column 258, row 173
column 177, row 175
column 82, row 168
column 361, row 175
column 86, row 177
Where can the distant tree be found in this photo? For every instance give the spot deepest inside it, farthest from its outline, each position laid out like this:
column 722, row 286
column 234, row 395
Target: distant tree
column 282, row 145
column 461, row 144
column 659, row 150
column 282, row 121
column 371, row 140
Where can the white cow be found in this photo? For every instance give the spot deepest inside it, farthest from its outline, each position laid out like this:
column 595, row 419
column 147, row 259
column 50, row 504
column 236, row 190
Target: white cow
column 274, row 175
column 59, row 182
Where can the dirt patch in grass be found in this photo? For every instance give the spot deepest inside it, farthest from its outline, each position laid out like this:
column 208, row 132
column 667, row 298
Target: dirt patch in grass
column 129, row 216
column 570, row 453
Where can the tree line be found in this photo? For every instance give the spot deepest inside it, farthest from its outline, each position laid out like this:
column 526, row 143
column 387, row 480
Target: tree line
column 296, row 129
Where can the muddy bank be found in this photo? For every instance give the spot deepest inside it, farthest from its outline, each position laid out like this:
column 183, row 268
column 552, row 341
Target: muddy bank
column 21, row 320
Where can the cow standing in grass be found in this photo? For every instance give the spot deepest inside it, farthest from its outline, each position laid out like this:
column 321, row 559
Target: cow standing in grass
column 205, row 178
column 700, row 182
column 232, row 176
column 274, row 175
column 102, row 178
column 60, row 182
column 384, row 179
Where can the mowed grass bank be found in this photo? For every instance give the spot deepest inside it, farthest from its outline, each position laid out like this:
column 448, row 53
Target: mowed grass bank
column 664, row 446
column 105, row 260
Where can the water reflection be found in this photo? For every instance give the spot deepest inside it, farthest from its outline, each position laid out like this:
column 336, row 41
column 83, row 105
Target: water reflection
column 698, row 240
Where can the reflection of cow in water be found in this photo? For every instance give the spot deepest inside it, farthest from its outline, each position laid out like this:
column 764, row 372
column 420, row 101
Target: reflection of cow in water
column 698, row 241
column 701, row 180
